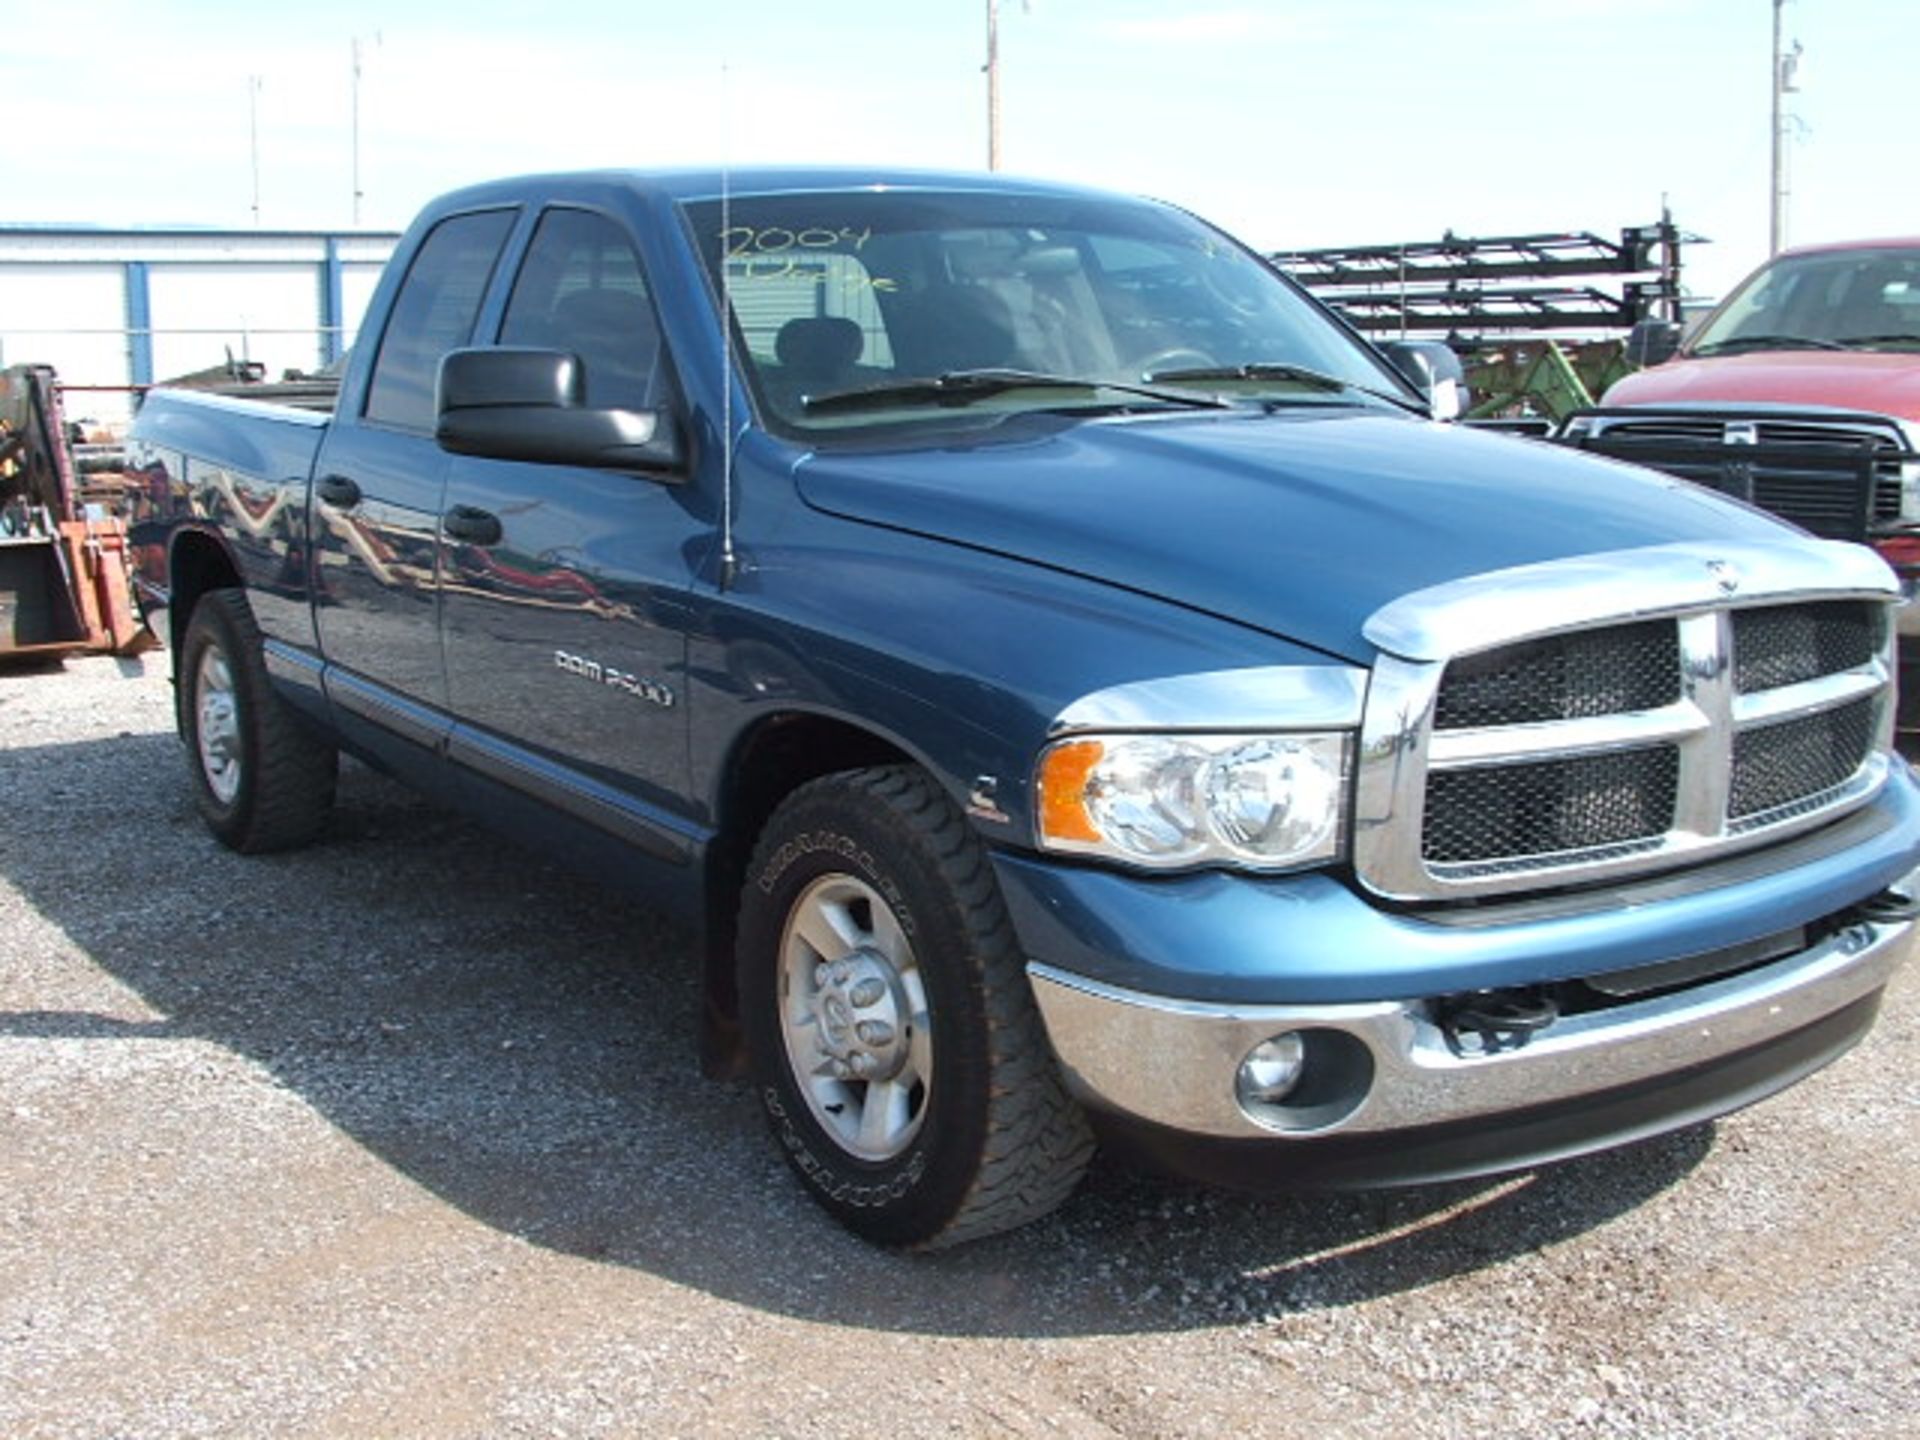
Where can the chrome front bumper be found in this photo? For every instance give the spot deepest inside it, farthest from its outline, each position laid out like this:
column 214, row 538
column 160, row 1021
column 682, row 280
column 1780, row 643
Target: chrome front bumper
column 1172, row 1063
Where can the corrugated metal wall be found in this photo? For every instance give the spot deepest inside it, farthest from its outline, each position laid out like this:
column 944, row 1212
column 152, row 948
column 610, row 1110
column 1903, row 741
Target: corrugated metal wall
column 117, row 308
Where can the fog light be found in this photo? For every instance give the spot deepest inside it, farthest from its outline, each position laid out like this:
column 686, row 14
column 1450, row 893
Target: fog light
column 1271, row 1070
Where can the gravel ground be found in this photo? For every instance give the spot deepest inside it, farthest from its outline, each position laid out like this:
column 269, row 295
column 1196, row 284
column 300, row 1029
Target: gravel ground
column 403, row 1135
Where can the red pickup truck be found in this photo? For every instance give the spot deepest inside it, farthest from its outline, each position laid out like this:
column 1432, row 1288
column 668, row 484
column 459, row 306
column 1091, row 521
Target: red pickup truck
column 1800, row 394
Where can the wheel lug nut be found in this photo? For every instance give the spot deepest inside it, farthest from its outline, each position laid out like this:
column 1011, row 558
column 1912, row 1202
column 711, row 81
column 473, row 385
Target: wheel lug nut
column 868, row 992
column 874, row 1032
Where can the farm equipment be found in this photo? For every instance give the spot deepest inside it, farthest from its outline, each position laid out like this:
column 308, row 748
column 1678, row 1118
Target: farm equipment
column 65, row 565
column 1534, row 318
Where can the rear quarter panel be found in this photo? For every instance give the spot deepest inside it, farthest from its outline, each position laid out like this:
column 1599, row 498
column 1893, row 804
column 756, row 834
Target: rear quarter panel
column 235, row 472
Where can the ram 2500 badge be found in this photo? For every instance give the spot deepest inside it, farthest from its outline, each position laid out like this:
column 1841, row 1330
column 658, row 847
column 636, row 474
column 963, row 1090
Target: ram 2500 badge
column 1069, row 678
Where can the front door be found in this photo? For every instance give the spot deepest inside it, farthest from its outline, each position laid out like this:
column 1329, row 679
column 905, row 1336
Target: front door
column 563, row 610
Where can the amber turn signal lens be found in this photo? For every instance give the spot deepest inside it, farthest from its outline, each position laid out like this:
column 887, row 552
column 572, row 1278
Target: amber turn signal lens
column 1063, row 789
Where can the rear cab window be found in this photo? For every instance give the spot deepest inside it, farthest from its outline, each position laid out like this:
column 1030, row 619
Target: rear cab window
column 434, row 312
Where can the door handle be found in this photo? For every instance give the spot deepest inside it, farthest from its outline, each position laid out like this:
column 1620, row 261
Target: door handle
column 337, row 490
column 475, row 527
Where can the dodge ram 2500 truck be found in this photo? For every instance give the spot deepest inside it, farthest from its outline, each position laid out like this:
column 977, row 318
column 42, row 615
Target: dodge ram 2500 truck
column 1069, row 678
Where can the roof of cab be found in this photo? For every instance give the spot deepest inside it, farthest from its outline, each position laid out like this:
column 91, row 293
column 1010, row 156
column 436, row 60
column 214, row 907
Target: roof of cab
column 710, row 183
column 1891, row 242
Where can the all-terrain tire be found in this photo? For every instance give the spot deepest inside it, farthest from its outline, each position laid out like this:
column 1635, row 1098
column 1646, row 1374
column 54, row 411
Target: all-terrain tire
column 261, row 778
column 973, row 1133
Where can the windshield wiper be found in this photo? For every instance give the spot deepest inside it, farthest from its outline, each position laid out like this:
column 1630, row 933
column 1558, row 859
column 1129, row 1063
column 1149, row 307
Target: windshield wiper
column 1902, row 337
column 1767, row 342
column 1252, row 370
column 964, row 387
column 1280, row 370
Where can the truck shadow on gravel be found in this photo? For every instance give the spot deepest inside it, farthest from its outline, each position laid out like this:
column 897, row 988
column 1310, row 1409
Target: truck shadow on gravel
column 520, row 1043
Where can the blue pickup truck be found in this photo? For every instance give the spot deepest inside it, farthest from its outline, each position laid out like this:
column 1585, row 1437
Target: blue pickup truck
column 1070, row 681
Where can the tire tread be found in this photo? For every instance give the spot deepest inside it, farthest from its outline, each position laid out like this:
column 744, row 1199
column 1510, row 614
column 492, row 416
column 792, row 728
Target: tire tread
column 1037, row 1142
column 286, row 801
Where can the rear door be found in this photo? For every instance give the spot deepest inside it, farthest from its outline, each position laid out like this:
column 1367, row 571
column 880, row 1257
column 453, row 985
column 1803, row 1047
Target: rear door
column 379, row 487
column 564, row 590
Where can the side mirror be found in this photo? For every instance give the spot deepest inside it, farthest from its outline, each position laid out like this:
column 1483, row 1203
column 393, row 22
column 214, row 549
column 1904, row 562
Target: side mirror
column 1435, row 371
column 1652, row 342
column 516, row 404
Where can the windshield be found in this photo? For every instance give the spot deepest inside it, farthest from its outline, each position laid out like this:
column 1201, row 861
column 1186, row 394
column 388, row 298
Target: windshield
column 1826, row 300
column 852, row 305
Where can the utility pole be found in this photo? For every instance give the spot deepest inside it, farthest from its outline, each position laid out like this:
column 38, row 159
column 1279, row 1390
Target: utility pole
column 358, row 193
column 253, row 140
column 1785, row 63
column 993, row 84
column 356, row 132
column 992, row 67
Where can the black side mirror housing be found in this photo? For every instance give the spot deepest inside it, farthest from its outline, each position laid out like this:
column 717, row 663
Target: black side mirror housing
column 1652, row 342
column 509, row 403
column 1435, row 371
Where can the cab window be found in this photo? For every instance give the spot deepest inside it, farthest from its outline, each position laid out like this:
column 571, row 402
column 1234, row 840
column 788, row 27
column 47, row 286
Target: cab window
column 433, row 313
column 582, row 290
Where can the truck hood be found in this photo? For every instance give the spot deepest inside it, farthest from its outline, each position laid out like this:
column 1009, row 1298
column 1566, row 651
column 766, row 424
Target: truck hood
column 1299, row 524
column 1882, row 382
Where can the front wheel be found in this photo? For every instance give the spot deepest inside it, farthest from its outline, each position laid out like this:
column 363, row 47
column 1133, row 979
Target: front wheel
column 262, row 780
column 895, row 1044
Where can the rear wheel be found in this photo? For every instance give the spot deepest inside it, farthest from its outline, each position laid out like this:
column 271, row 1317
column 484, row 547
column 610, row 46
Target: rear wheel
column 895, row 1044
column 261, row 779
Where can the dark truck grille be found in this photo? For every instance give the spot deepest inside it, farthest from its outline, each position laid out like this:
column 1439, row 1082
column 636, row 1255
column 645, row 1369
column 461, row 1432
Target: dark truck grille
column 1836, row 478
column 1787, row 644
column 1512, row 812
column 1564, row 677
column 1795, row 760
column 1550, row 807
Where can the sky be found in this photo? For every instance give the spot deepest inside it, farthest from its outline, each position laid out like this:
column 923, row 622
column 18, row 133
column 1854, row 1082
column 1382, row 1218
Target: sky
column 1293, row 124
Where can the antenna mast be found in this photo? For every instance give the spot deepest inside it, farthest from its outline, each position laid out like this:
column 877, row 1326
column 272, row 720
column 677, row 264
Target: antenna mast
column 727, row 558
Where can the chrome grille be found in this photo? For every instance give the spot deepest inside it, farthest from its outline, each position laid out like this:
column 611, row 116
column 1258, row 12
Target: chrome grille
column 1748, row 699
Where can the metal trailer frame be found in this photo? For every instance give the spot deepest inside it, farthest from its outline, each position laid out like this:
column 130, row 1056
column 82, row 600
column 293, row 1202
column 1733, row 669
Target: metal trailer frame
column 1530, row 348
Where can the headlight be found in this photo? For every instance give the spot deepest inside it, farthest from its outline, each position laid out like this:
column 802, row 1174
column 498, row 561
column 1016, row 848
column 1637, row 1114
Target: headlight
column 1268, row 802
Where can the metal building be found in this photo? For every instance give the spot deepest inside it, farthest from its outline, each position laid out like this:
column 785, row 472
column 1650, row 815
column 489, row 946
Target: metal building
column 113, row 309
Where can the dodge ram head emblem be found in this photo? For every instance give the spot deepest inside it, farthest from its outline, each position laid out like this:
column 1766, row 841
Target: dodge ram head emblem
column 1724, row 575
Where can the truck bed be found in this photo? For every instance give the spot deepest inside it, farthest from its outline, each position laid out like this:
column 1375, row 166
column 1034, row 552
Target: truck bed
column 237, row 466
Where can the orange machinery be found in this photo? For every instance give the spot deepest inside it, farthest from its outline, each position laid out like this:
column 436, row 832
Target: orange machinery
column 65, row 566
